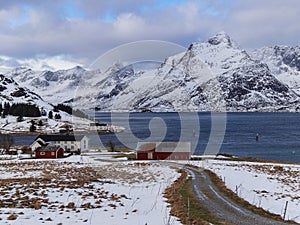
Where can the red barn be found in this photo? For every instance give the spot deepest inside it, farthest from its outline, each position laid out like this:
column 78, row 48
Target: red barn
column 163, row 150
column 49, row 152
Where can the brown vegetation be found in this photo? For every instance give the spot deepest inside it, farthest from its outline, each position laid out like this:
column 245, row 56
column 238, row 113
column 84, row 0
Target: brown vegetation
column 185, row 205
column 31, row 191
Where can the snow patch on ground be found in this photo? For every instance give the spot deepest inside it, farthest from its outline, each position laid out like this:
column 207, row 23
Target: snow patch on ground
column 83, row 190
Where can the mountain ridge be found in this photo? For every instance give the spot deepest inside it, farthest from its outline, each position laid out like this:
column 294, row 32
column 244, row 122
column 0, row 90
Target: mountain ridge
column 216, row 75
column 284, row 63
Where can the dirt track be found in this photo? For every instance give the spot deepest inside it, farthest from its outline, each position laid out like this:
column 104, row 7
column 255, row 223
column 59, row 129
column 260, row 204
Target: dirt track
column 221, row 206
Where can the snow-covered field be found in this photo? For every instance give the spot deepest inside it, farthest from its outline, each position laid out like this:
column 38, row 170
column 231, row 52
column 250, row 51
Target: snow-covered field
column 86, row 190
column 83, row 190
column 266, row 185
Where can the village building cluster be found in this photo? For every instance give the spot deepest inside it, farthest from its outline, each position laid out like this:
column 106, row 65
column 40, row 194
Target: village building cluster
column 47, row 146
column 53, row 146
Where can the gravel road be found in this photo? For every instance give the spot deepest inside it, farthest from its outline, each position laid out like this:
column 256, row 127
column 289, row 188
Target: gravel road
column 224, row 208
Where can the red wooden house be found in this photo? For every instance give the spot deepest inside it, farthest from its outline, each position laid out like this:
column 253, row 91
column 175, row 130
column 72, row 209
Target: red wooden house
column 163, row 150
column 49, row 152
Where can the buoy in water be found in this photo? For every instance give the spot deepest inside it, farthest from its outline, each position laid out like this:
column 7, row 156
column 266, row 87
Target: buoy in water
column 257, row 137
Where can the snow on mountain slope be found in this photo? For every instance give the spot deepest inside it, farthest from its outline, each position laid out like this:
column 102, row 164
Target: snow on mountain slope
column 11, row 92
column 216, row 75
column 284, row 63
column 55, row 87
column 168, row 88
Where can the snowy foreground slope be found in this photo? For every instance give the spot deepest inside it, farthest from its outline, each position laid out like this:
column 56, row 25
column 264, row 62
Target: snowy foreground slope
column 79, row 190
column 216, row 75
column 266, row 185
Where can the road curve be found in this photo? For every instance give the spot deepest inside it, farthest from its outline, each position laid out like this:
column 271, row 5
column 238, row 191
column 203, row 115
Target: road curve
column 224, row 208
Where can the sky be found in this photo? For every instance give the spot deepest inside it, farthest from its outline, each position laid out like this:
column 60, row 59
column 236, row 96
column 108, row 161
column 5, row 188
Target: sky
column 58, row 34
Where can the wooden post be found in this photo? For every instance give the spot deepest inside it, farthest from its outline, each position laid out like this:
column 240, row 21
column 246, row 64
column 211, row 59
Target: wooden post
column 189, row 209
column 285, row 208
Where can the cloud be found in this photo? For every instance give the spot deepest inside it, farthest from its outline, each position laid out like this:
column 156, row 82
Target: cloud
column 39, row 63
column 83, row 30
column 257, row 23
column 43, row 33
column 96, row 8
column 127, row 23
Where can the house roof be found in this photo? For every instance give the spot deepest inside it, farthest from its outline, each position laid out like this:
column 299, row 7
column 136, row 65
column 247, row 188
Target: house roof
column 57, row 137
column 173, row 147
column 145, row 147
column 47, row 149
column 41, row 143
column 164, row 146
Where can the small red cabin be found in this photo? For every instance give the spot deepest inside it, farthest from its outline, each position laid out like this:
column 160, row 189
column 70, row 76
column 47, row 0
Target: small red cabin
column 49, row 152
column 163, row 150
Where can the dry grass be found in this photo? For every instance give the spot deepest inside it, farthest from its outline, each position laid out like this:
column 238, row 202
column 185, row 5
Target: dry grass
column 12, row 217
column 64, row 187
column 131, row 173
column 60, row 179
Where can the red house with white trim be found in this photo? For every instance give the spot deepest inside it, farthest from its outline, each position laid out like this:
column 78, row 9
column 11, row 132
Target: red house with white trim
column 49, row 152
column 163, row 151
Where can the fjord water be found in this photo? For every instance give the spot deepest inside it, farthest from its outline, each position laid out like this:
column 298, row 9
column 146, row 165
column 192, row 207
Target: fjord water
column 279, row 133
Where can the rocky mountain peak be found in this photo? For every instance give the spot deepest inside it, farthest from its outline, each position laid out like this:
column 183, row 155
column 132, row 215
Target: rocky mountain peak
column 221, row 38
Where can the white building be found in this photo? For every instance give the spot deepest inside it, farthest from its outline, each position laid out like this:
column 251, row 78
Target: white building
column 70, row 143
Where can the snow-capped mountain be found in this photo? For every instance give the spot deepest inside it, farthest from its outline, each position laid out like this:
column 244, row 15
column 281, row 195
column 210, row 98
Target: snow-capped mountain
column 284, row 63
column 55, row 87
column 215, row 75
column 11, row 92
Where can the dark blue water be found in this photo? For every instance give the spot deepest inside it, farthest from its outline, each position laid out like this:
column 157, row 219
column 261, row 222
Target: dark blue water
column 279, row 133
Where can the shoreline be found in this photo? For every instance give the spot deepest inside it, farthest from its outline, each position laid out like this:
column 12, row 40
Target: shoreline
column 226, row 157
column 27, row 133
